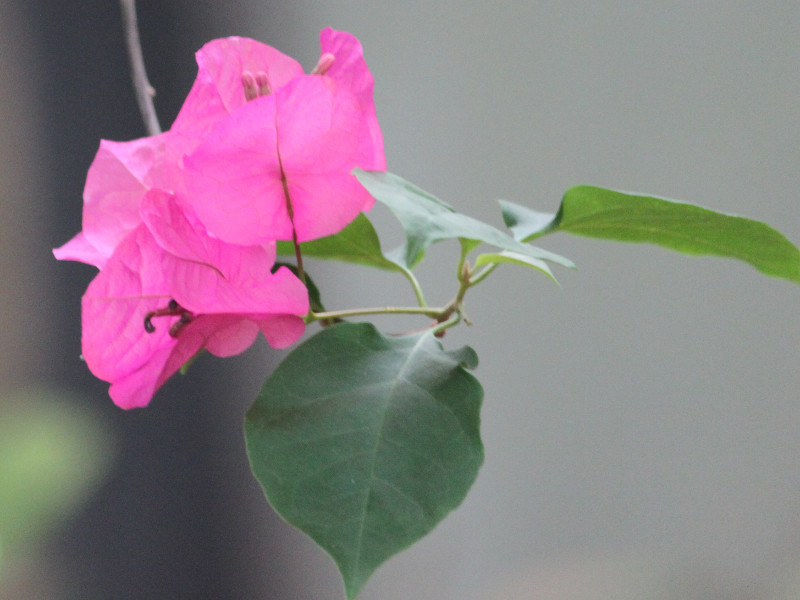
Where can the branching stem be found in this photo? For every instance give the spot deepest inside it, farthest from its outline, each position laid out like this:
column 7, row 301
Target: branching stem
column 444, row 317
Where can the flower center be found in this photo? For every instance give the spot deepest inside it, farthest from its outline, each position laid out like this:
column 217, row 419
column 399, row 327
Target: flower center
column 173, row 309
column 255, row 85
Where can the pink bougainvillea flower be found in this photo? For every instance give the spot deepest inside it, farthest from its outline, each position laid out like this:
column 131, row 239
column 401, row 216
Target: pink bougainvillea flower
column 183, row 225
column 282, row 163
column 143, row 319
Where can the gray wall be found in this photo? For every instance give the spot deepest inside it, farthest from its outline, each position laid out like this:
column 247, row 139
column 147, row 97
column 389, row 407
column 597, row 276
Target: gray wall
column 641, row 420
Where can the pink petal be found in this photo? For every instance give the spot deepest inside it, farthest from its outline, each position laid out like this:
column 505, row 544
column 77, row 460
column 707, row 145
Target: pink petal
column 322, row 137
column 136, row 389
column 350, row 69
column 222, row 335
column 344, row 197
column 177, row 230
column 200, row 289
column 281, row 331
column 227, row 335
column 78, row 248
column 320, row 126
column 118, row 349
column 234, row 178
column 118, row 178
column 235, row 183
column 114, row 341
column 210, row 276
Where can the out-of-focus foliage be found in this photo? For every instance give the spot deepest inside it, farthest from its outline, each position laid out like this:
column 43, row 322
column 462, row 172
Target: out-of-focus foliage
column 52, row 456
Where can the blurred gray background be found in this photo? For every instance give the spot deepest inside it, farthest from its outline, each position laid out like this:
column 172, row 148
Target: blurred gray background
column 640, row 421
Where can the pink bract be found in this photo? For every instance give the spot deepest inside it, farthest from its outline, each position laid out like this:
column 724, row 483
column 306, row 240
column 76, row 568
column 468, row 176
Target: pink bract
column 301, row 142
column 139, row 280
column 217, row 89
column 350, row 70
column 283, row 162
column 206, row 275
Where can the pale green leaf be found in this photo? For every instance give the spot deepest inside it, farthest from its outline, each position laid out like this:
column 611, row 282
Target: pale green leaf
column 427, row 220
column 514, row 259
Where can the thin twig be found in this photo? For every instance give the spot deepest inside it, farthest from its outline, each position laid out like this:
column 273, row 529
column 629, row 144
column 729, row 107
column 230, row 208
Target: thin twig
column 141, row 85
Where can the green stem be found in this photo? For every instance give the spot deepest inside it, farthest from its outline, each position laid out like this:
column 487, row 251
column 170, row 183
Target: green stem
column 482, row 274
column 434, row 313
column 453, row 319
column 446, row 316
column 464, row 282
column 461, row 260
column 416, row 287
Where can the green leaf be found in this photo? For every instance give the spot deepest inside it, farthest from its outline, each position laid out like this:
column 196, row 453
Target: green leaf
column 427, row 220
column 514, row 259
column 525, row 224
column 357, row 243
column 687, row 228
column 365, row 442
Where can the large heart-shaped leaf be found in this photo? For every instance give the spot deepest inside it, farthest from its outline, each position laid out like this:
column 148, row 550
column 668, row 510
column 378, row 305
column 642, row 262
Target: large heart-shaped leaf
column 688, row 228
column 427, row 220
column 365, row 442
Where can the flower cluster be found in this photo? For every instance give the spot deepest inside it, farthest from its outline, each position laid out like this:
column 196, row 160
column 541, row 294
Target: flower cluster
column 183, row 225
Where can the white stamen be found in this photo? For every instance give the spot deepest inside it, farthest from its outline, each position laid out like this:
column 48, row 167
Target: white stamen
column 249, row 86
column 324, row 63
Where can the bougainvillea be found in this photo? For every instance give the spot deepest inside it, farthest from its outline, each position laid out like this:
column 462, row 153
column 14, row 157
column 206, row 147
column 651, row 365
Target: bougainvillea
column 183, row 224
